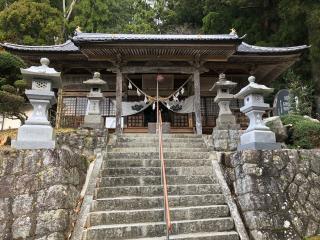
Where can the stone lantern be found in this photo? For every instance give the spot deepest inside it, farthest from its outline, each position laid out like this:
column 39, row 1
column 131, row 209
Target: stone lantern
column 93, row 118
column 225, row 135
column 37, row 132
column 226, row 120
column 257, row 136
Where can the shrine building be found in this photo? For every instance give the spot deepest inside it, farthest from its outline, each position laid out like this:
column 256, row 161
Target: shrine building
column 187, row 65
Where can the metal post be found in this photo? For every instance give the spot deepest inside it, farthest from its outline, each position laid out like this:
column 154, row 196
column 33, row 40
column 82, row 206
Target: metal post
column 157, row 105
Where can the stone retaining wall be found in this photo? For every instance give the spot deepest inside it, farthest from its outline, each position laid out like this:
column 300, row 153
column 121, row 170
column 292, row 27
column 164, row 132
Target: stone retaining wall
column 83, row 141
column 40, row 189
column 278, row 192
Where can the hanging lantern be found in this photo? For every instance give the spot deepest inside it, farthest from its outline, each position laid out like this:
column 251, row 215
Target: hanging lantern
column 182, row 91
column 145, row 99
column 154, row 106
column 130, row 85
column 138, row 92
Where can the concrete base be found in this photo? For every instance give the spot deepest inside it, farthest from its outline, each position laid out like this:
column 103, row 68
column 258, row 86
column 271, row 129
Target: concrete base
column 258, row 140
column 93, row 121
column 259, row 146
column 33, row 144
column 34, row 137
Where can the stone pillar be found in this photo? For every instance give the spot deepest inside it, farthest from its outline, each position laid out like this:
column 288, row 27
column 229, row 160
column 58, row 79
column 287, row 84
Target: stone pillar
column 197, row 100
column 119, row 79
column 37, row 132
column 93, row 118
column 257, row 136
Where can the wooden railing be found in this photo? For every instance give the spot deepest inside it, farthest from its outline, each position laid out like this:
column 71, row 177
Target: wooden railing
column 164, row 179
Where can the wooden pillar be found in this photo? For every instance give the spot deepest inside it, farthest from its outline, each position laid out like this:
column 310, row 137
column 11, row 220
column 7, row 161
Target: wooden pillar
column 197, row 100
column 119, row 80
column 59, row 108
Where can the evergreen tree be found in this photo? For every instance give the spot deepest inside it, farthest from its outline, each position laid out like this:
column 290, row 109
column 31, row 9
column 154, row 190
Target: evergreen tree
column 113, row 16
column 28, row 22
column 12, row 88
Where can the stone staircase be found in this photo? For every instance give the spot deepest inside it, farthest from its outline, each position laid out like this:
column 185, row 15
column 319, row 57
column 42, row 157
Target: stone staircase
column 129, row 196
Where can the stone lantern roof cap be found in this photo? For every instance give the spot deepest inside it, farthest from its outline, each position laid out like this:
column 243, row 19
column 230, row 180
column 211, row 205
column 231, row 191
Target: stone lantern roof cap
column 96, row 80
column 42, row 72
column 253, row 88
column 223, row 82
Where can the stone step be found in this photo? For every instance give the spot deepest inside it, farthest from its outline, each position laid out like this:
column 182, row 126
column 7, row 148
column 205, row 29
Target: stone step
column 157, row 229
column 155, row 155
column 154, row 180
column 154, row 149
column 165, row 135
column 166, row 144
column 156, row 215
column 157, row 190
column 156, row 140
column 201, row 235
column 155, row 163
column 137, row 202
column 156, row 171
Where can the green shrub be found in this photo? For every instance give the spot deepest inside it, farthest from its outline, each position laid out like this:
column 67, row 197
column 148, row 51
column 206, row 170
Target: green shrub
column 304, row 132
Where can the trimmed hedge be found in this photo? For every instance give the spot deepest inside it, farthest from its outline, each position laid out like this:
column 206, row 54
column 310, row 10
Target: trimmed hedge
column 304, row 132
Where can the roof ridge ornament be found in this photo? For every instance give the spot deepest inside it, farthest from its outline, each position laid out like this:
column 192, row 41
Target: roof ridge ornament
column 233, row 32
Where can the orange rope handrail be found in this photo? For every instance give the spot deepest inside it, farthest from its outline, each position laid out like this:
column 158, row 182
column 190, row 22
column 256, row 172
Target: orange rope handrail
column 164, row 178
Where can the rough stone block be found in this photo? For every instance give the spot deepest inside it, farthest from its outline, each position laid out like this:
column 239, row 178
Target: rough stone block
column 252, row 201
column 258, row 220
column 252, row 169
column 220, row 134
column 52, row 221
column 251, row 156
column 53, row 236
column 21, row 227
column 57, row 197
column 22, row 205
column 54, row 175
column 246, row 184
column 4, row 209
column 315, row 164
column 314, row 197
column 312, row 228
column 259, row 235
column 220, row 144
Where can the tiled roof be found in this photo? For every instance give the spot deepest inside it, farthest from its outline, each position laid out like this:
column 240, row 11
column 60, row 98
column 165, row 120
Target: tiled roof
column 245, row 48
column 68, row 46
column 103, row 37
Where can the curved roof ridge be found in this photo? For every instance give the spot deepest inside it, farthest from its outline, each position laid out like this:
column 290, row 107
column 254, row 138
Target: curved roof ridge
column 67, row 46
column 247, row 48
column 79, row 37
